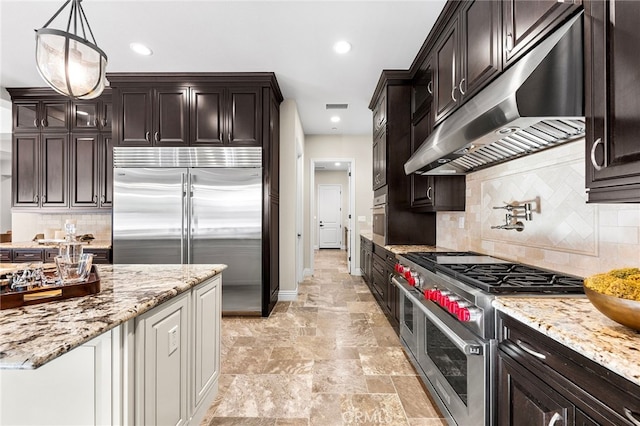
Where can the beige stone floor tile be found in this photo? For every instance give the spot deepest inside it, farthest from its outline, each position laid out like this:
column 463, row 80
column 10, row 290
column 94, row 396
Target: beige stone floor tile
column 413, row 397
column 387, row 360
column 267, row 395
column 330, row 357
column 380, row 384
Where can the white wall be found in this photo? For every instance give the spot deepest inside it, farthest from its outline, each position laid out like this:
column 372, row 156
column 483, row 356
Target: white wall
column 290, row 134
column 337, row 178
column 319, row 147
column 5, row 164
column 567, row 234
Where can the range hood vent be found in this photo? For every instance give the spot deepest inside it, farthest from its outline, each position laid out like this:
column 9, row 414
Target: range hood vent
column 535, row 104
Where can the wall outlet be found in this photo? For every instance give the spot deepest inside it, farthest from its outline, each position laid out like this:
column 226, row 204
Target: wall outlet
column 461, row 222
column 174, row 342
column 362, row 218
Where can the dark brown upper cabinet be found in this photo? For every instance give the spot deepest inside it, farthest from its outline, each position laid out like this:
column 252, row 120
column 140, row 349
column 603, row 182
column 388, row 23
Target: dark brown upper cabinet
column 422, row 90
column 612, row 94
column 92, row 115
column 39, row 115
column 380, row 113
column 152, row 116
column 380, row 160
column 91, row 178
column 528, row 22
column 40, row 170
column 467, row 55
column 226, row 116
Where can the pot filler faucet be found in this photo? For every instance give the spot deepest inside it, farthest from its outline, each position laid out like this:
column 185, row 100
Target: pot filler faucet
column 515, row 212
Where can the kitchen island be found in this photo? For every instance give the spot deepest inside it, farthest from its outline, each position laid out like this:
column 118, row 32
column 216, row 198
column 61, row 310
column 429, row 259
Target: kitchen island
column 145, row 349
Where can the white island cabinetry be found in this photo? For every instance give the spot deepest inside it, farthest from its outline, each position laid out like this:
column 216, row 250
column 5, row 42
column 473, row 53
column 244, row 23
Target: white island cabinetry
column 159, row 367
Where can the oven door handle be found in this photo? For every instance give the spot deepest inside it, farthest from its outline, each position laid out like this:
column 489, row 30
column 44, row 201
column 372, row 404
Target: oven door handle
column 466, row 346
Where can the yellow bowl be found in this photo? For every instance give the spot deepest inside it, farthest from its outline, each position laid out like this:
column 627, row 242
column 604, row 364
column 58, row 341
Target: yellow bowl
column 622, row 311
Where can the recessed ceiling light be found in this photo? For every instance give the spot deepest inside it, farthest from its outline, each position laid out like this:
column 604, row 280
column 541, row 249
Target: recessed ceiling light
column 141, row 49
column 342, row 47
column 335, row 119
column 336, row 164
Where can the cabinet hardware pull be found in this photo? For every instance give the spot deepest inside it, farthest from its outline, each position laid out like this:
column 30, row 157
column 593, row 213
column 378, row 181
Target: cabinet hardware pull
column 593, row 155
column 554, row 419
column 229, row 137
column 28, row 255
column 221, row 140
column 35, row 122
column 35, row 198
column 95, row 122
column 44, row 122
column 631, row 416
column 462, row 92
column 104, row 122
column 509, row 43
column 453, row 94
column 102, row 199
column 156, row 136
column 530, row 351
column 95, row 198
column 146, row 136
column 429, row 193
column 44, row 198
column 430, row 87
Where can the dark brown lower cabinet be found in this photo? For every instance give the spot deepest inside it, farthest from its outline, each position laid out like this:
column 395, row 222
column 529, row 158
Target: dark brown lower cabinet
column 382, row 263
column 16, row 255
column 542, row 382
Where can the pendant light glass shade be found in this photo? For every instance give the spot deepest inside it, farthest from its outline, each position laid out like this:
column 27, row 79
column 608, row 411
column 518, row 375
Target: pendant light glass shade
column 68, row 62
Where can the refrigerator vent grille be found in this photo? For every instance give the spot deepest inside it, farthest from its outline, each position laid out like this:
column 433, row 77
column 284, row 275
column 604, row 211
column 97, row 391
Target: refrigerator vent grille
column 187, row 157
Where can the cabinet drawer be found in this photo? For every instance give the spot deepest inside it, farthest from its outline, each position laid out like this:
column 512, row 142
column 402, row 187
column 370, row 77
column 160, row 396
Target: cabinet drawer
column 600, row 393
column 100, row 256
column 28, row 255
column 50, row 254
column 5, row 255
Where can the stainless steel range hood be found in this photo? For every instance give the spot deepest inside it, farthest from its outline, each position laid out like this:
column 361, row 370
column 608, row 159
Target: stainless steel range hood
column 535, row 104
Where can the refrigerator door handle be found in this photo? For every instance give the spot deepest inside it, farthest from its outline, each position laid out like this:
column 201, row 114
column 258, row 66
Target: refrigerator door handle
column 189, row 214
column 184, row 206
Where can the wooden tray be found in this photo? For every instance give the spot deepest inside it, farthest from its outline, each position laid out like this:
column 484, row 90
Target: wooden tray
column 16, row 299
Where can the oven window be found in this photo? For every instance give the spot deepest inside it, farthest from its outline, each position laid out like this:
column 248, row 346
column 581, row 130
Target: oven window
column 450, row 360
column 408, row 314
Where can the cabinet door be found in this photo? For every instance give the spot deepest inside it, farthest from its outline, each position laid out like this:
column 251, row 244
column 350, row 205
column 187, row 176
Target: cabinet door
column 206, row 357
column 105, row 114
column 380, row 113
column 207, row 118
column 26, row 170
column 135, row 117
column 54, row 116
column 244, row 117
column 164, row 365
column 106, row 171
column 526, row 400
column 422, row 89
column 25, row 116
column 84, row 170
column 480, row 45
column 527, row 22
column 84, row 115
column 55, row 170
column 420, row 185
column 170, row 117
column 612, row 101
column 380, row 160
column 446, row 54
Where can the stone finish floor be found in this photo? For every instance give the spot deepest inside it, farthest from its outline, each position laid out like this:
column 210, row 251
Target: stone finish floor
column 328, row 358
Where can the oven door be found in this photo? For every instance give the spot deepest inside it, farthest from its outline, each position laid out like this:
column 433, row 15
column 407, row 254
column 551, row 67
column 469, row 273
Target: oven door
column 457, row 363
column 408, row 320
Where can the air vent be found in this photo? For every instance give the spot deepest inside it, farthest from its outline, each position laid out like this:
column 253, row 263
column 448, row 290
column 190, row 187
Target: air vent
column 337, row 106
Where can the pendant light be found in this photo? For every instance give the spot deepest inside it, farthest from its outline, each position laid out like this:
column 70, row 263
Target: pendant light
column 70, row 63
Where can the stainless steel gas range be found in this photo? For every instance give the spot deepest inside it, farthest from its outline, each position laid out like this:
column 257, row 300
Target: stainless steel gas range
column 447, row 323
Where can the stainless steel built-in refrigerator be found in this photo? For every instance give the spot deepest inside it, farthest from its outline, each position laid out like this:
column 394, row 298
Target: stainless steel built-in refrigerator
column 193, row 205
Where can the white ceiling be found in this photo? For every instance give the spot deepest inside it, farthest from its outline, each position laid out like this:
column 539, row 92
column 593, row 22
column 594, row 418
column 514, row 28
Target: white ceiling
column 294, row 39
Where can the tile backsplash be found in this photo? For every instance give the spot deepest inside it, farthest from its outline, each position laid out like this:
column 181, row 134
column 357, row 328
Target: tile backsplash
column 24, row 226
column 565, row 233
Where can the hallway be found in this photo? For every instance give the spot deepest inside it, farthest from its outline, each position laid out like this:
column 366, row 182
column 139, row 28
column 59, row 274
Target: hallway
column 328, row 358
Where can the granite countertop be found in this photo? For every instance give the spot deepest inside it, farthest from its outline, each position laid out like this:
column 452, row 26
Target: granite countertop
column 96, row 244
column 402, row 249
column 577, row 324
column 34, row 335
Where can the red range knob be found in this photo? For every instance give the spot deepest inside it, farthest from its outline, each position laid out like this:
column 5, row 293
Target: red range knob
column 453, row 307
column 430, row 294
column 463, row 314
column 407, row 274
column 412, row 281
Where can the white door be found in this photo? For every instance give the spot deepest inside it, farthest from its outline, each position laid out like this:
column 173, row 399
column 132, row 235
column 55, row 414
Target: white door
column 329, row 216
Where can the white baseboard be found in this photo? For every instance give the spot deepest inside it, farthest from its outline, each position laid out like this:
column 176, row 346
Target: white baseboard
column 358, row 272
column 287, row 295
column 307, row 272
column 316, row 247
